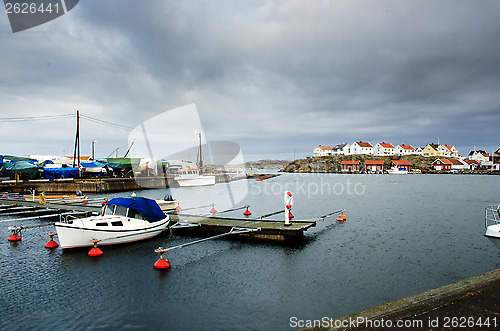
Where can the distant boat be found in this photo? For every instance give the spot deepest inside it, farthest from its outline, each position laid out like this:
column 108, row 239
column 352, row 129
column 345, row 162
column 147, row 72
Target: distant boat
column 397, row 171
column 123, row 220
column 194, row 176
column 492, row 224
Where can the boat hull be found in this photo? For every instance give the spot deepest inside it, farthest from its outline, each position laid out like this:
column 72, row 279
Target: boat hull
column 80, row 233
column 493, row 234
column 196, row 181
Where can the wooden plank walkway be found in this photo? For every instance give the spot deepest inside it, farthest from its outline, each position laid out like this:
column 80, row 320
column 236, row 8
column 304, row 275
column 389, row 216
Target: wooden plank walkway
column 269, row 229
column 59, row 206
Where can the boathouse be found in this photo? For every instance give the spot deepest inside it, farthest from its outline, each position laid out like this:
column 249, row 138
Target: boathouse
column 374, row 166
column 442, row 165
column 350, row 166
column 400, row 164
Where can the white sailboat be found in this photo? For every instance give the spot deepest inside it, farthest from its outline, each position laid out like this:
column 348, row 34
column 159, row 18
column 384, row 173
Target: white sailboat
column 492, row 224
column 194, row 176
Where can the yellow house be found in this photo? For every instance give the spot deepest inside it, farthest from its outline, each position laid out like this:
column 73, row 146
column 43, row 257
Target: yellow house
column 430, row 150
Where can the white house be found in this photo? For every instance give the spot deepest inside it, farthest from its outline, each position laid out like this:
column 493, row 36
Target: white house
column 384, row 149
column 360, row 147
column 341, row 149
column 322, row 151
column 405, row 150
column 482, row 157
column 419, row 151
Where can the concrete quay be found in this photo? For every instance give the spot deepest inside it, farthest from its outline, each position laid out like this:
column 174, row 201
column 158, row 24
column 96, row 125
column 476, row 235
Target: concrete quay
column 469, row 304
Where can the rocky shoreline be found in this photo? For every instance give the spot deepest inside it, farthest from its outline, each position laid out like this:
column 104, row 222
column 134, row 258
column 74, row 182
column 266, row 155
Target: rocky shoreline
column 331, row 164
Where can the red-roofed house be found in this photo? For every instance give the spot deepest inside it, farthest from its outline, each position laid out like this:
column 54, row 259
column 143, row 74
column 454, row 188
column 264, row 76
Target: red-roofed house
column 472, row 164
column 361, row 147
column 405, row 150
column 323, row 151
column 447, row 150
column 374, row 166
column 400, row 164
column 442, row 165
column 384, row 149
column 350, row 166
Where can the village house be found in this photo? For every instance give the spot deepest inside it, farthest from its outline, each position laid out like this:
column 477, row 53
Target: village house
column 447, row 151
column 374, row 166
column 472, row 164
column 384, row 149
column 483, row 157
column 341, row 149
column 442, row 165
column 322, row 151
column 419, row 151
column 401, row 164
column 405, row 150
column 350, row 166
column 361, row 147
column 458, row 165
column 430, row 150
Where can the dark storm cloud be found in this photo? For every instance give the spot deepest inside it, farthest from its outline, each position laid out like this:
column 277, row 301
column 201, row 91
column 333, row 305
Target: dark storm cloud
column 297, row 73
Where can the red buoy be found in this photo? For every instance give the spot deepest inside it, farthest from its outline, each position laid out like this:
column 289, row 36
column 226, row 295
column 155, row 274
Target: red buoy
column 289, row 194
column 341, row 217
column 247, row 212
column 51, row 243
column 290, row 215
column 14, row 237
column 15, row 234
column 178, row 208
column 95, row 251
column 213, row 210
column 161, row 263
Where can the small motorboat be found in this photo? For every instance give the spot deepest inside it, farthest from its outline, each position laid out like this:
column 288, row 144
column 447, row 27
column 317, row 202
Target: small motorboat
column 122, row 220
column 492, row 224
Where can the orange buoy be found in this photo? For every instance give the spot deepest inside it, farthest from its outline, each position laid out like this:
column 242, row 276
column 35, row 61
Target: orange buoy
column 95, row 251
column 178, row 208
column 161, row 263
column 341, row 217
column 15, row 234
column 14, row 237
column 247, row 212
column 51, row 243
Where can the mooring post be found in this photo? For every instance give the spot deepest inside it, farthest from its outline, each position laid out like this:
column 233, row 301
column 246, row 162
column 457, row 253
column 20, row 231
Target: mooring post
column 288, row 199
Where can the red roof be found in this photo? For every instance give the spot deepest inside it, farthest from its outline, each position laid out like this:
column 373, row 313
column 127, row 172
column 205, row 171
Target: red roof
column 456, row 162
column 350, row 162
column 325, row 147
column 364, row 144
column 408, row 147
column 444, row 161
column 374, row 162
column 472, row 161
column 401, row 162
column 386, row 145
column 448, row 147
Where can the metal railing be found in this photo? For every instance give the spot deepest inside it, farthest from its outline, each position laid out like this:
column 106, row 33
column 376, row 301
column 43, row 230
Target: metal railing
column 491, row 215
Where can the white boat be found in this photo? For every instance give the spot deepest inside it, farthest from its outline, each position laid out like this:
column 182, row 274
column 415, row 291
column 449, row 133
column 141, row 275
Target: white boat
column 492, row 224
column 123, row 220
column 168, row 203
column 397, row 171
column 192, row 177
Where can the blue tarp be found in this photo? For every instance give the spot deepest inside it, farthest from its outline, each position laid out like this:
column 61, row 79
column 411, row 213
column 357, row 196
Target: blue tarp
column 148, row 208
column 64, row 172
column 90, row 165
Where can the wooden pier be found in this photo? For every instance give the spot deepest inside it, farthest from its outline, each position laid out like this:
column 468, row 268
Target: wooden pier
column 267, row 229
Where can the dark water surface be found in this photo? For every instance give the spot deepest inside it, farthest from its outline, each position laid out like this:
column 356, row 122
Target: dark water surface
column 403, row 235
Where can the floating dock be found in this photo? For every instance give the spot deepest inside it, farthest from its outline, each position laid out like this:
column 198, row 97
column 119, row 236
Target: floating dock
column 267, row 229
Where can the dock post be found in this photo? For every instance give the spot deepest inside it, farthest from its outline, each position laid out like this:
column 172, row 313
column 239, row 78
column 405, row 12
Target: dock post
column 288, row 206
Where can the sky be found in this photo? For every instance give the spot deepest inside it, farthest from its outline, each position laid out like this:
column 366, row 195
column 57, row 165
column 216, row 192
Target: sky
column 277, row 78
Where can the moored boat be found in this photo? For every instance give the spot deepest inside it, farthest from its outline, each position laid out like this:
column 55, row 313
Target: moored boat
column 492, row 224
column 122, row 220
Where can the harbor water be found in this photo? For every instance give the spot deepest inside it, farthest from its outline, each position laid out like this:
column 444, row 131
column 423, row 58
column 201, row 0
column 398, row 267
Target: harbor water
column 404, row 234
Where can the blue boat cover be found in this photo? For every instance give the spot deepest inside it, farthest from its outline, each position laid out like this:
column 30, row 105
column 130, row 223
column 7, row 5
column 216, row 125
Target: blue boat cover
column 148, row 208
column 64, row 172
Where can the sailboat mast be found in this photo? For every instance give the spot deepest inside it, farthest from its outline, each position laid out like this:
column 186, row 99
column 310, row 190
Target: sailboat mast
column 199, row 157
